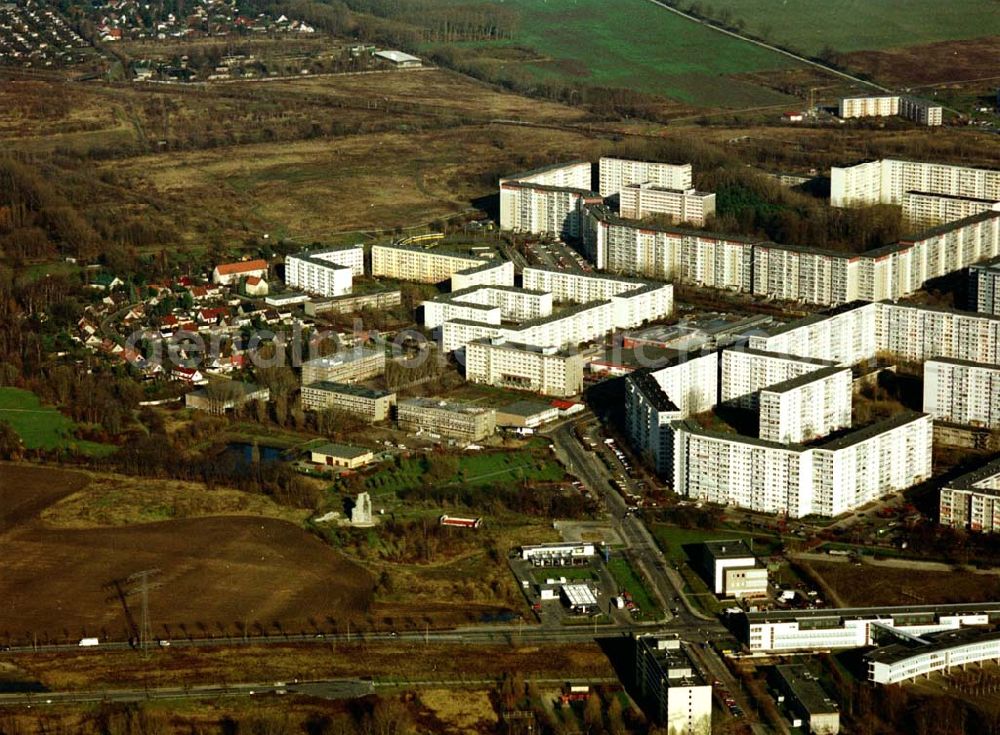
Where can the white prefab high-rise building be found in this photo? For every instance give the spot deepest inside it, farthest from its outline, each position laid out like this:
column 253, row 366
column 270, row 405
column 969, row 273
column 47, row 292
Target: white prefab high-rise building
column 328, row 272
column 633, row 302
column 494, row 272
column 679, row 205
column 921, row 209
column 807, row 407
column 648, row 415
column 886, row 181
column 546, row 370
column 423, row 265
column 972, row 501
column 984, row 287
column 548, row 200
column 962, row 392
column 617, row 173
column 826, row 479
column 869, row 106
column 691, row 381
column 746, row 371
column 671, row 687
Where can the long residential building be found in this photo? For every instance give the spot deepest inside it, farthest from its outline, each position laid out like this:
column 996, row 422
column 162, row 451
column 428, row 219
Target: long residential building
column 670, row 685
column 789, row 272
column 495, row 272
column 962, row 392
column 328, row 272
column 826, row 479
column 921, row 209
column 633, row 302
column 463, row 421
column 679, row 205
column 346, row 366
column 885, row 181
column 857, row 627
column 617, row 173
column 919, row 111
column 984, row 287
column 972, row 501
column 546, row 370
column 423, row 265
column 492, row 304
column 355, row 302
column 367, row 403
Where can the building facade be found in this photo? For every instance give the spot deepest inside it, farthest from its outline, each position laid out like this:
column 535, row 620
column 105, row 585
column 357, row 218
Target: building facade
column 671, row 687
column 921, row 209
column 962, row 392
column 367, row 403
column 807, row 407
column 679, row 205
column 328, row 273
column 984, row 287
column 462, row 421
column 972, row 501
column 617, row 173
column 423, row 265
column 545, row 370
column 346, row 366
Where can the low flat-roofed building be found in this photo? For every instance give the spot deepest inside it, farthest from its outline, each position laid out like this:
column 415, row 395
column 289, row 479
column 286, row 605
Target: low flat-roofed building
column 558, row 554
column 806, row 700
column 341, row 455
column 670, row 686
column 853, row 627
column 354, row 302
column 464, row 421
column 368, row 403
column 915, row 656
column 526, row 414
column 730, row 568
column 223, row 395
column 346, row 366
column 399, row 59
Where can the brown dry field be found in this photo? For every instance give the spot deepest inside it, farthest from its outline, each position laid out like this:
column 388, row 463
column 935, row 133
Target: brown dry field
column 875, row 585
column 217, row 573
column 316, row 188
column 25, row 491
column 170, row 667
column 944, row 62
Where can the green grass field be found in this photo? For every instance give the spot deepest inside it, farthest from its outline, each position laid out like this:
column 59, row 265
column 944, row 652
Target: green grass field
column 42, row 427
column 636, row 45
column 855, row 25
column 474, row 470
column 630, row 580
column 672, row 540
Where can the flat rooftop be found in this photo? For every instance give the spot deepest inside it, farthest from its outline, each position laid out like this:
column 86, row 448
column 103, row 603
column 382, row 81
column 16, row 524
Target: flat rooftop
column 932, row 643
column 970, row 480
column 438, row 404
column 805, row 379
column 864, row 613
column 345, row 451
column 651, row 390
column 343, row 357
column 806, row 689
column 728, row 549
column 526, row 408
column 348, row 389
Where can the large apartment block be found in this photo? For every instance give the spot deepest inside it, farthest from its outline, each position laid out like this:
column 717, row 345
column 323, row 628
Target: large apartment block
column 984, row 287
column 670, row 685
column 972, row 501
column 746, row 372
column 347, row 366
column 327, row 272
column 921, row 209
column 826, row 479
column 463, row 421
column 919, row 111
column 633, row 302
column 370, row 404
column 679, row 205
column 807, row 407
column 495, row 272
column 649, row 413
column 548, row 200
column 546, row 370
column 962, row 392
column 617, row 173
column 885, row 181
column 415, row 263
